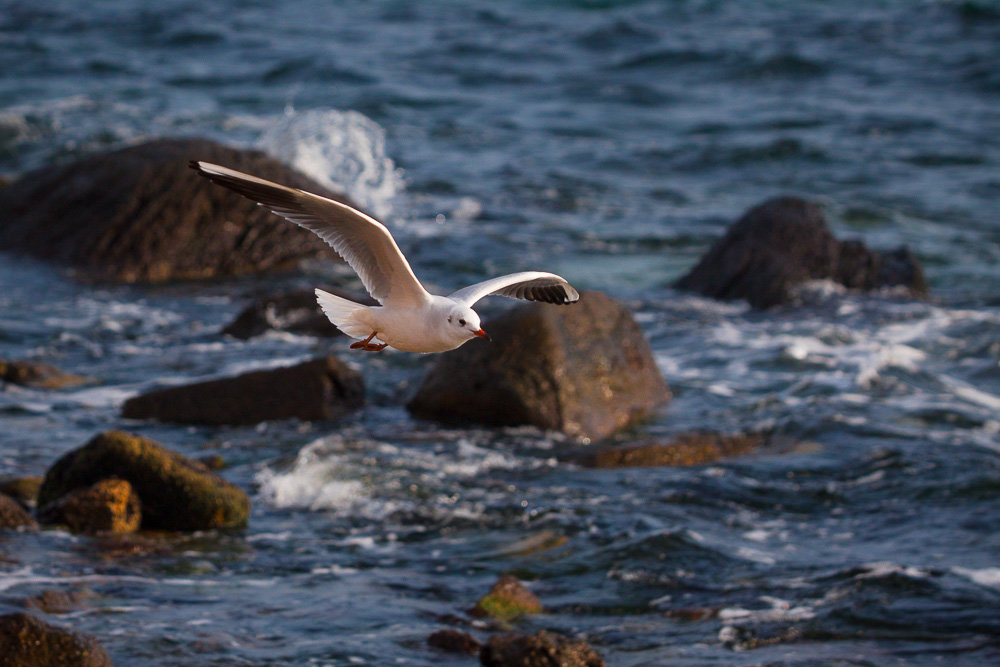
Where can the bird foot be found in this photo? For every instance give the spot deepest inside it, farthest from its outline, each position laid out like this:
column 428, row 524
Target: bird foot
column 367, row 345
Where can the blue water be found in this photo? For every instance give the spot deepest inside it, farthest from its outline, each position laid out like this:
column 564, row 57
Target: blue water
column 611, row 142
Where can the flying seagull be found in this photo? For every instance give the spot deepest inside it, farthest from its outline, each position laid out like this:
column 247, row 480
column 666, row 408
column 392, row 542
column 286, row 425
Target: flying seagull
column 410, row 318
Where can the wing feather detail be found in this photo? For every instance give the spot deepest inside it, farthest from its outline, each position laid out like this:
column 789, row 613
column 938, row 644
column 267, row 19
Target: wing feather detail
column 527, row 285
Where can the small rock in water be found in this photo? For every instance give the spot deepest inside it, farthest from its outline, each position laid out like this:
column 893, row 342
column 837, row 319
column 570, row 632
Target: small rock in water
column 37, row 374
column 26, row 641
column 454, row 641
column 508, row 599
column 140, row 214
column 785, row 242
column 57, row 602
column 176, row 493
column 297, row 312
column 12, row 515
column 583, row 369
column 109, row 506
column 319, row 390
column 687, row 449
column 543, row 649
column 22, row 489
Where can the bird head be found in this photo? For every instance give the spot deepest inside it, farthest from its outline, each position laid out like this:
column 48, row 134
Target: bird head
column 465, row 323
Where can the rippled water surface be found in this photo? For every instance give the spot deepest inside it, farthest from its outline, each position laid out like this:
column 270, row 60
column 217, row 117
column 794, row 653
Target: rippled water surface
column 611, row 142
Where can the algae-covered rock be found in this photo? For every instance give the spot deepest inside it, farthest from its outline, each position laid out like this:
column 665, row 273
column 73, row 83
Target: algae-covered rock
column 12, row 515
column 318, row 390
column 26, row 641
column 176, row 493
column 140, row 214
column 109, row 506
column 685, row 449
column 543, row 649
column 37, row 374
column 22, row 489
column 508, row 599
column 584, row 369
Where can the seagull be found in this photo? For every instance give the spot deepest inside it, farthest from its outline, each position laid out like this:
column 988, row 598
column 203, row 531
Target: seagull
column 409, row 318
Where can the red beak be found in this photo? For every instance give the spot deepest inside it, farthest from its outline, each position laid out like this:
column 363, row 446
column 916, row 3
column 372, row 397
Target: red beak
column 482, row 334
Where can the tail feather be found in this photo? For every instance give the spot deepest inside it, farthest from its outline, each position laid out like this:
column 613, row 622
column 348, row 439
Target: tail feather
column 341, row 312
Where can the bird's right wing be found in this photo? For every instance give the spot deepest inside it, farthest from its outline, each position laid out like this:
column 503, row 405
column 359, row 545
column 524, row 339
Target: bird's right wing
column 362, row 241
column 527, row 285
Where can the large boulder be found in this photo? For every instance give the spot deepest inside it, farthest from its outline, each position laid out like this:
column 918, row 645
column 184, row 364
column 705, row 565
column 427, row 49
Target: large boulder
column 297, row 312
column 784, row 242
column 109, row 506
column 584, row 369
column 543, row 649
column 139, row 214
column 318, row 390
column 26, row 641
column 176, row 493
column 12, row 515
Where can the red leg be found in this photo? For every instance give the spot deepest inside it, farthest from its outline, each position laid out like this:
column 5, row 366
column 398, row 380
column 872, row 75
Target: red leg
column 363, row 344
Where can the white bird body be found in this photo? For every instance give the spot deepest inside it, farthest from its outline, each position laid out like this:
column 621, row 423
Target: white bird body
column 410, row 318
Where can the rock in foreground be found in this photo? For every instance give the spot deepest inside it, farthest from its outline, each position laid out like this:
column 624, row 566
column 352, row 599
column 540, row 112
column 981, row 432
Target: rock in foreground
column 26, row 641
column 544, row 649
column 319, row 390
column 139, row 214
column 176, row 493
column 785, row 242
column 296, row 311
column 583, row 369
column 12, row 515
column 110, row 506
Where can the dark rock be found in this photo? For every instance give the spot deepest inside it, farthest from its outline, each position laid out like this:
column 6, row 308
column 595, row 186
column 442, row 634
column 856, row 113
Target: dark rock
column 109, row 506
column 213, row 462
column 544, row 649
column 784, row 242
column 12, row 515
column 687, row 449
column 26, row 641
column 37, row 374
column 585, row 370
column 57, row 602
column 139, row 214
column 295, row 311
column 454, row 641
column 319, row 390
column 176, row 493
column 22, row 489
column 507, row 599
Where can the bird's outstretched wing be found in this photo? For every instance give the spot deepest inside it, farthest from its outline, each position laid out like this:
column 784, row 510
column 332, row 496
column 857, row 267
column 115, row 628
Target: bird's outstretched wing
column 362, row 241
column 527, row 285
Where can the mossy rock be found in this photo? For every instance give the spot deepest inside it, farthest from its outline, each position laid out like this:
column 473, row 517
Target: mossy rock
column 110, row 506
column 176, row 493
column 12, row 515
column 22, row 489
column 508, row 599
column 542, row 649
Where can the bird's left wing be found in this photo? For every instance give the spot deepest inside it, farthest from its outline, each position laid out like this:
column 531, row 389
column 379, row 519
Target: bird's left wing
column 527, row 285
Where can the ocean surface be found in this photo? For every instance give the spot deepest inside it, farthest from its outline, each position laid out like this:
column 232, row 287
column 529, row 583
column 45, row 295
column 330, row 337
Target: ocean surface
column 611, row 142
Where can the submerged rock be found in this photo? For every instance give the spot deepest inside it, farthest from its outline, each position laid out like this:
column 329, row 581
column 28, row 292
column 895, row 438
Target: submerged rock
column 12, row 515
column 26, row 641
column 785, row 242
column 687, row 449
column 139, row 214
column 543, row 649
column 37, row 374
column 57, row 602
column 508, row 599
column 109, row 506
column 296, row 311
column 176, row 493
column 584, row 369
column 318, row 390
column 454, row 641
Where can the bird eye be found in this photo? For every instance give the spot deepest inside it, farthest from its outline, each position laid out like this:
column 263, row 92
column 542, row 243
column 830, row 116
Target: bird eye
column 461, row 323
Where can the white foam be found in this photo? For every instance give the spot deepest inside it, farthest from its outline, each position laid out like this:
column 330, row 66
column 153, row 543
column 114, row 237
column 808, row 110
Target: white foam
column 343, row 150
column 986, row 576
